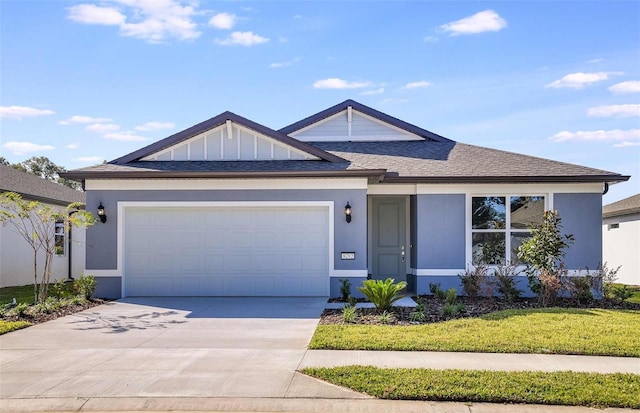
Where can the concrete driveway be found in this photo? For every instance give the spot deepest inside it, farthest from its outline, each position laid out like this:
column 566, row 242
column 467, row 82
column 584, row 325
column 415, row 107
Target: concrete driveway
column 168, row 347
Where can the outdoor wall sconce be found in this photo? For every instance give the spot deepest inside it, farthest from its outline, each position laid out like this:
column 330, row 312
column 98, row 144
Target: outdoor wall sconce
column 347, row 212
column 101, row 213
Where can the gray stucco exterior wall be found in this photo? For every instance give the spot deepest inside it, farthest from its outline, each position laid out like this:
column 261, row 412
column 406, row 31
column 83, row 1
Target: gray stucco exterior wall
column 440, row 231
column 581, row 216
column 102, row 238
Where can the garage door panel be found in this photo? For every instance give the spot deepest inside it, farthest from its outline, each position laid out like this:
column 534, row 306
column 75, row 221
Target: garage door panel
column 226, row 251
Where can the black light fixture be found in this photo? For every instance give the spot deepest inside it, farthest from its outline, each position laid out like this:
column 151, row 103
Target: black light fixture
column 101, row 213
column 347, row 212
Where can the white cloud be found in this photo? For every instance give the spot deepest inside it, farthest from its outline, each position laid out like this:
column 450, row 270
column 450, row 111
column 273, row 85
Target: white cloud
column 89, row 159
column 484, row 21
column 19, row 112
column 626, row 144
column 125, row 137
column 392, row 101
column 430, row 39
column 598, row 60
column 615, row 111
column 155, row 21
column 415, row 85
column 83, row 119
column 223, row 21
column 622, row 88
column 597, row 136
column 102, row 127
column 152, row 126
column 72, row 146
column 579, row 80
column 242, row 39
column 23, row 148
column 92, row 14
column 372, row 92
column 279, row 65
column 336, row 83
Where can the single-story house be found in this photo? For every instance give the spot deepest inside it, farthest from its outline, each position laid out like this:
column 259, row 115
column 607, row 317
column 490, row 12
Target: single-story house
column 621, row 238
column 16, row 256
column 232, row 207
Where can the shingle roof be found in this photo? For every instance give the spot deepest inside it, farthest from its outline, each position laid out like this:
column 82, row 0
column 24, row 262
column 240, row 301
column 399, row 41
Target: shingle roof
column 426, row 161
column 434, row 159
column 36, row 188
column 630, row 205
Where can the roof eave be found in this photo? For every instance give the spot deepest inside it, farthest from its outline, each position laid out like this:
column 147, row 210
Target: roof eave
column 80, row 176
column 507, row 179
column 621, row 212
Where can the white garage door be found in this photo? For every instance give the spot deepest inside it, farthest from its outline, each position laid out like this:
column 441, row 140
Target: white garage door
column 219, row 251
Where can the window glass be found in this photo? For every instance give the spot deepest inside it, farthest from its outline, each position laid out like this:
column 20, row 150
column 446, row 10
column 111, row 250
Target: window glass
column 516, row 240
column 488, row 247
column 526, row 210
column 488, row 212
column 59, row 238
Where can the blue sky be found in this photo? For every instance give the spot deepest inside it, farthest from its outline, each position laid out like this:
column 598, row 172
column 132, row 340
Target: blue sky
column 91, row 80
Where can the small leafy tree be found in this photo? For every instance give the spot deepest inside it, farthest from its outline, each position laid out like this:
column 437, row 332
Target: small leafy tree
column 543, row 252
column 382, row 293
column 35, row 222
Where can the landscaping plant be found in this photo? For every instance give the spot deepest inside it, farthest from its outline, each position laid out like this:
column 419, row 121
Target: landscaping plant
column 349, row 314
column 437, row 291
column 608, row 276
column 506, row 281
column 387, row 317
column 473, row 281
column 382, row 293
column 85, row 286
column 345, row 289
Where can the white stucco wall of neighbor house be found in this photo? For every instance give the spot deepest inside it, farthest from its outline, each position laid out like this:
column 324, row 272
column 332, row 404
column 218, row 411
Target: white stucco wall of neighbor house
column 621, row 246
column 16, row 258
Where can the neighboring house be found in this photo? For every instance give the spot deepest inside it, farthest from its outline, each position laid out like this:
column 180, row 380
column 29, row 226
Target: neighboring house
column 621, row 238
column 232, row 207
column 16, row 256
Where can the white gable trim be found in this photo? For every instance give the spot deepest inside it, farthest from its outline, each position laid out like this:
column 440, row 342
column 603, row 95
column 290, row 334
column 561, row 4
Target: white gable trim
column 350, row 113
column 227, row 132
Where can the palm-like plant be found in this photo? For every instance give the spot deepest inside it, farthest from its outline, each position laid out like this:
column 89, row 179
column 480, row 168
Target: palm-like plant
column 382, row 293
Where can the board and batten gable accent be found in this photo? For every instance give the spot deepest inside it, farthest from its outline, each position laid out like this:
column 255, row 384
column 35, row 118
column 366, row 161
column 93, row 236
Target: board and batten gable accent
column 352, row 125
column 229, row 142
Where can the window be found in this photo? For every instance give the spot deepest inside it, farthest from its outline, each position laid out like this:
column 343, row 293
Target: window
column 59, row 237
column 499, row 224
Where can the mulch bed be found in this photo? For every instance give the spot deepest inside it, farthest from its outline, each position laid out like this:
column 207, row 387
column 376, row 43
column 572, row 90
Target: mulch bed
column 68, row 310
column 473, row 307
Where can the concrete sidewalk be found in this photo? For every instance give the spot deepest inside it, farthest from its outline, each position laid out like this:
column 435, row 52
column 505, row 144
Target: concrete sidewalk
column 470, row 361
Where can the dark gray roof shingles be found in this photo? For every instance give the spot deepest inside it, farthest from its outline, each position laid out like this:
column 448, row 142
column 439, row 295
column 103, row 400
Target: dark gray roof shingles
column 626, row 206
column 33, row 187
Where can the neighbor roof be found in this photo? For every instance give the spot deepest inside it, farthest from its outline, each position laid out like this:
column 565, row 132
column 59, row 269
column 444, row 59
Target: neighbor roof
column 433, row 160
column 630, row 205
column 35, row 188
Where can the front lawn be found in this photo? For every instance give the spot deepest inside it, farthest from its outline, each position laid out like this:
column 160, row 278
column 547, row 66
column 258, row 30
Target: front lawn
column 22, row 294
column 9, row 326
column 635, row 289
column 542, row 330
column 556, row 388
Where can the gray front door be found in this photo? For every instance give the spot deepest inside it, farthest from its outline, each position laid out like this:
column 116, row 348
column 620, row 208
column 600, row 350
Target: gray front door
column 389, row 233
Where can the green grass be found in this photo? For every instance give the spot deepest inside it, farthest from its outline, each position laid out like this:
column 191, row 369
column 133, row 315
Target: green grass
column 635, row 298
column 556, row 388
column 24, row 293
column 548, row 330
column 8, row 326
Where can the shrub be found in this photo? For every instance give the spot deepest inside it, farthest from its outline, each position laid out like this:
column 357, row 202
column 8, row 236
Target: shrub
column 349, row 314
column 437, row 291
column 452, row 296
column 382, row 293
column 506, row 283
column 451, row 310
column 621, row 294
column 608, row 276
column 59, row 289
column 579, row 288
column 19, row 310
column 473, row 280
column 418, row 314
column 387, row 317
column 550, row 286
column 345, row 289
column 85, row 285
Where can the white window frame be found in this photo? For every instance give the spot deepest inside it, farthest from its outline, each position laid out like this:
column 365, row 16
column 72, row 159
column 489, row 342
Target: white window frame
column 60, row 230
column 548, row 200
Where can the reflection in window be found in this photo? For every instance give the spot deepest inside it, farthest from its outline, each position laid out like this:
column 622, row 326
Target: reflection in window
column 59, row 237
column 497, row 232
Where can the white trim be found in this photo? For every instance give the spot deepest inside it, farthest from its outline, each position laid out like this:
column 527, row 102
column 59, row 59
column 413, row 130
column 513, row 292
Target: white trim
column 103, row 273
column 436, row 272
column 349, row 273
column 422, row 189
column 399, row 189
column 362, row 138
column 123, row 205
column 223, row 184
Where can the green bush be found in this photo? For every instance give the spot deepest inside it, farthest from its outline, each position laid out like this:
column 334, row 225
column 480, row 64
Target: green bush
column 579, row 288
column 19, row 310
column 85, row 285
column 418, row 315
column 387, row 317
column 349, row 314
column 451, row 310
column 473, row 281
column 345, row 289
column 382, row 293
column 437, row 291
column 622, row 294
column 452, row 296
